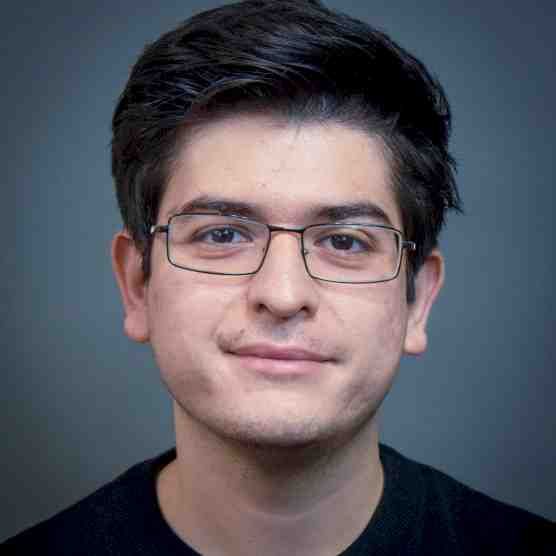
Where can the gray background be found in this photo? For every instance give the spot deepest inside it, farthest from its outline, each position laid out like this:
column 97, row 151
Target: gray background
column 80, row 403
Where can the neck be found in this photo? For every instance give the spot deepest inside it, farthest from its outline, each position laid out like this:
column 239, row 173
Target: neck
column 225, row 497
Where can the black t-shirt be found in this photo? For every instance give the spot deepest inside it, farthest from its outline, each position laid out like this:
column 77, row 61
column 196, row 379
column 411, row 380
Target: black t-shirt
column 422, row 512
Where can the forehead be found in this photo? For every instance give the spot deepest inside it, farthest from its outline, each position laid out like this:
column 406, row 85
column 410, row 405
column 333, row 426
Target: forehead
column 286, row 172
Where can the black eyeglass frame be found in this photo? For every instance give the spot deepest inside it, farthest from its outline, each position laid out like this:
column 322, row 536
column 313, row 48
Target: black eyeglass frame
column 403, row 244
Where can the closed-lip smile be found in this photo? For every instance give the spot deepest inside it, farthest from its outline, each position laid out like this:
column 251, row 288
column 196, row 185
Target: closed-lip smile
column 270, row 351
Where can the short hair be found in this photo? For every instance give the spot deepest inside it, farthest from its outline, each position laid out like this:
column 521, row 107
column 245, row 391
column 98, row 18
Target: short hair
column 295, row 60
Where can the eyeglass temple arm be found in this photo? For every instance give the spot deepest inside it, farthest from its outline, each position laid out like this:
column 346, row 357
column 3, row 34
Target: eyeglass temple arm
column 409, row 245
column 159, row 228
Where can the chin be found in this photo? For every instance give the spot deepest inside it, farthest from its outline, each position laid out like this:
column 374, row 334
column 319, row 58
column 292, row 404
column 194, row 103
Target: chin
column 285, row 430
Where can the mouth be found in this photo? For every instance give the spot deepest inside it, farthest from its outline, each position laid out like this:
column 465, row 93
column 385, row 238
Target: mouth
column 280, row 361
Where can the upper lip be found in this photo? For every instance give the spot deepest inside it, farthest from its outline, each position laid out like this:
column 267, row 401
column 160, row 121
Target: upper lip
column 269, row 351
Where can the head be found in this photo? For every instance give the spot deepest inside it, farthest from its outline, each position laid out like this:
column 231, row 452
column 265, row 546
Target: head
column 264, row 98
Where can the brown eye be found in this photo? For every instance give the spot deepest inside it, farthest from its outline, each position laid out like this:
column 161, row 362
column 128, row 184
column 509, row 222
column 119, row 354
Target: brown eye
column 343, row 242
column 222, row 236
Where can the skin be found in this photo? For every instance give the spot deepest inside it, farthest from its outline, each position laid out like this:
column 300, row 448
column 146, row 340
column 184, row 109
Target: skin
column 274, row 464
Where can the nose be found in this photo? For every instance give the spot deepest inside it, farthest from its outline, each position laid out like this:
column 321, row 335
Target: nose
column 282, row 287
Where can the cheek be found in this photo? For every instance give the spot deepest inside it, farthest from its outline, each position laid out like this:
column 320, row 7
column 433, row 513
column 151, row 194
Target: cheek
column 379, row 328
column 183, row 319
column 378, row 323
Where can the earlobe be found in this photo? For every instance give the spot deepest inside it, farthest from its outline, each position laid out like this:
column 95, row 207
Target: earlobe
column 127, row 267
column 428, row 282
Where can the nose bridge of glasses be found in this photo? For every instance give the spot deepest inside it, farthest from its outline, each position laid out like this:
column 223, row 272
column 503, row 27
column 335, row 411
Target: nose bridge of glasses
column 290, row 231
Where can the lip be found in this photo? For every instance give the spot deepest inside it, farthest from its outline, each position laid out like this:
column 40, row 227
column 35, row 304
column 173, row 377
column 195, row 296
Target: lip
column 291, row 353
column 280, row 360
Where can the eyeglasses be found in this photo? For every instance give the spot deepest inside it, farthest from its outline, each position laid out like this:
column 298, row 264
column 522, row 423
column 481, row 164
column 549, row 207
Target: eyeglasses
column 232, row 245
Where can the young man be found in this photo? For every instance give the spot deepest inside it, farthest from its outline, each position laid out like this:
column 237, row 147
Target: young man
column 283, row 174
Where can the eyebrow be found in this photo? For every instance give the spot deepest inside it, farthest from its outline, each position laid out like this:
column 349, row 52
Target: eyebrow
column 326, row 213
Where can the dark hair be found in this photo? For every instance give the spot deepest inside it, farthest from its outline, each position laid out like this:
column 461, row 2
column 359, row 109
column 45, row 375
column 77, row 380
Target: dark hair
column 294, row 60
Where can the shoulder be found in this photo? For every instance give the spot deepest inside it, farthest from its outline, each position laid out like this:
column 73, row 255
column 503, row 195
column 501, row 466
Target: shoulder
column 101, row 522
column 454, row 513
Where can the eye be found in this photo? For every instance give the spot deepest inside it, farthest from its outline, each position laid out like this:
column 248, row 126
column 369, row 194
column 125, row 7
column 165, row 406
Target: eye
column 344, row 242
column 222, row 235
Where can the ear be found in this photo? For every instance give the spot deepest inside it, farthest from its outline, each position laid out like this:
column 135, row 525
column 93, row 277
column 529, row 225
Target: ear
column 127, row 266
column 428, row 283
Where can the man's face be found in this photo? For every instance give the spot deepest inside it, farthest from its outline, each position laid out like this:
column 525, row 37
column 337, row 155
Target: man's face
column 218, row 340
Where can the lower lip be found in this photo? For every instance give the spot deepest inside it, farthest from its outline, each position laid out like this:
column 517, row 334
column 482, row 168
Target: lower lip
column 280, row 367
